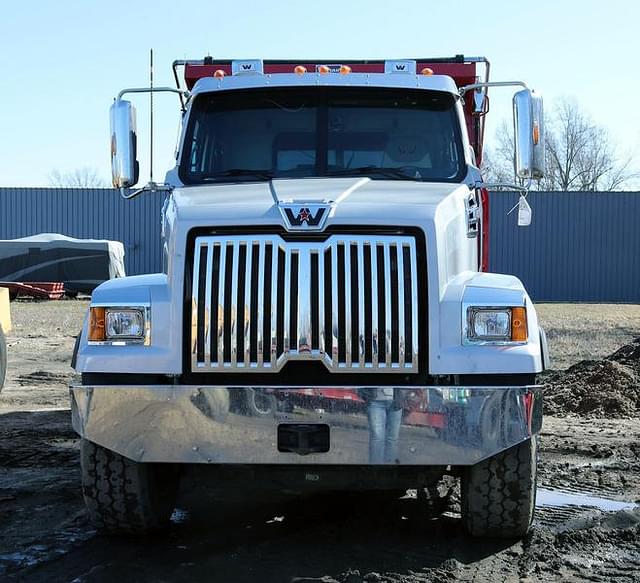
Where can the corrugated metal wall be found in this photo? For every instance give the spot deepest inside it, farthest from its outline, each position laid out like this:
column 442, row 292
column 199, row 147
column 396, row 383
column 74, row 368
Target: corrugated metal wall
column 95, row 213
column 581, row 246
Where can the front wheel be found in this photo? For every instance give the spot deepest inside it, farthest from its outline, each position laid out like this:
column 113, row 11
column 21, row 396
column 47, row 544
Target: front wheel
column 499, row 494
column 123, row 496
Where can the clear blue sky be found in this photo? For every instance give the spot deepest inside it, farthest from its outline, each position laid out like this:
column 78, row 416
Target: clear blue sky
column 63, row 61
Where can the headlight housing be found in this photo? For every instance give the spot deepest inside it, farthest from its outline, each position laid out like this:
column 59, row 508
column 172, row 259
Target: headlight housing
column 496, row 325
column 119, row 325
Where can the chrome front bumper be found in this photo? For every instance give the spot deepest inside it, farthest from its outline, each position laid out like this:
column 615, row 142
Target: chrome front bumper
column 223, row 425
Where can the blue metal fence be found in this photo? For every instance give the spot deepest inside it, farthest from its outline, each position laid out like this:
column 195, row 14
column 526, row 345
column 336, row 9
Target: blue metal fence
column 581, row 246
column 91, row 213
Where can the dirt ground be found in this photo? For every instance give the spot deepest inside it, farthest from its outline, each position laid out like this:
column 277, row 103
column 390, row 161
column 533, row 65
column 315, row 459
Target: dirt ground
column 587, row 525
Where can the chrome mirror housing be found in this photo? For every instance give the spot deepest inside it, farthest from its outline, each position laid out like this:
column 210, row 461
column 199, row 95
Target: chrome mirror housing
column 124, row 163
column 528, row 121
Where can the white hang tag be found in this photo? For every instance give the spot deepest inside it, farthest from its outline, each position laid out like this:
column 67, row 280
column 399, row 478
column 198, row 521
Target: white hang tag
column 524, row 212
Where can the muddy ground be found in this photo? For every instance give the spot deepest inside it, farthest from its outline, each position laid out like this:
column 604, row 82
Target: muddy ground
column 45, row 535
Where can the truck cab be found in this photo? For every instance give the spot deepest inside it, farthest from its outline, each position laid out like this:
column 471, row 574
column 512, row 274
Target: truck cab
column 324, row 308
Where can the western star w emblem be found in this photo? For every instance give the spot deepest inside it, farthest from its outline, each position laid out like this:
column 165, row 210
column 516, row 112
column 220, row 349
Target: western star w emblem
column 301, row 216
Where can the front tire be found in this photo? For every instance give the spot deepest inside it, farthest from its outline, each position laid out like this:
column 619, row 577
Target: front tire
column 499, row 494
column 123, row 496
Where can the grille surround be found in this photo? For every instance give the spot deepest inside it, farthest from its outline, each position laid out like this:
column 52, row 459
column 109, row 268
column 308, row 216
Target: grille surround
column 308, row 299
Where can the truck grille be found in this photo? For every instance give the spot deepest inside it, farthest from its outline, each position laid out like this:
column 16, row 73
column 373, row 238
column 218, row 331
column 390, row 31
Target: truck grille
column 259, row 301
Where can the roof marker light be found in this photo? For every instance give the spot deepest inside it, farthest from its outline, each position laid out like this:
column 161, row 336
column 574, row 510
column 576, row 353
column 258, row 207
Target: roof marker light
column 345, row 69
column 300, row 70
column 323, row 69
column 427, row 71
column 219, row 73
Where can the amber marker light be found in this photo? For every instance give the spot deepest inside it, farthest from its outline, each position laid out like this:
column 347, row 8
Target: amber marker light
column 345, row 69
column 96, row 324
column 323, row 69
column 219, row 73
column 427, row 71
column 300, row 70
column 536, row 133
column 519, row 324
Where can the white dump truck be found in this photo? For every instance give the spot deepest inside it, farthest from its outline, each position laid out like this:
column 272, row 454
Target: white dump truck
column 324, row 317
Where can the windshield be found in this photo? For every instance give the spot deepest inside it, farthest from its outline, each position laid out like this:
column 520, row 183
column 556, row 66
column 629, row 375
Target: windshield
column 388, row 134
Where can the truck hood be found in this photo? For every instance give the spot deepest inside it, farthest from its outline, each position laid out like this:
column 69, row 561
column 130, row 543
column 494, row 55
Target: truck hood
column 353, row 200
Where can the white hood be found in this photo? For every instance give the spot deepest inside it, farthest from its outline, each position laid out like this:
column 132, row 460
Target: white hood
column 356, row 201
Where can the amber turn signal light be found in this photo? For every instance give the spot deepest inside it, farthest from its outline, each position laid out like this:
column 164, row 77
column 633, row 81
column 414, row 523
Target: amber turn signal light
column 519, row 324
column 96, row 324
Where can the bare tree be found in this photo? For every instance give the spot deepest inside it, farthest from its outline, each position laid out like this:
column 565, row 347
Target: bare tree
column 79, row 178
column 579, row 154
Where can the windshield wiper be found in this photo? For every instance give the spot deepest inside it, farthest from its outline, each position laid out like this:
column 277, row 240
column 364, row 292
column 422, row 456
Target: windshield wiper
column 233, row 172
column 399, row 173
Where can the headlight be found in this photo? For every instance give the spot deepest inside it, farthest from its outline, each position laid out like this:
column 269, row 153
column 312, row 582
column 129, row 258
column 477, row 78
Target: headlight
column 118, row 325
column 124, row 324
column 500, row 325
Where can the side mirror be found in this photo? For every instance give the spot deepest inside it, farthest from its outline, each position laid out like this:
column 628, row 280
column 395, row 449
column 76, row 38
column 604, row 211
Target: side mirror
column 124, row 163
column 528, row 122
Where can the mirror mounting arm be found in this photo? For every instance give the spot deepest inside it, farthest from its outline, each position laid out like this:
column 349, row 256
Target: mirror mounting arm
column 181, row 92
column 466, row 88
column 149, row 187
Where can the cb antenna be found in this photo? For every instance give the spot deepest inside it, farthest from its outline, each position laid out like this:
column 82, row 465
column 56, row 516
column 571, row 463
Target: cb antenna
column 151, row 110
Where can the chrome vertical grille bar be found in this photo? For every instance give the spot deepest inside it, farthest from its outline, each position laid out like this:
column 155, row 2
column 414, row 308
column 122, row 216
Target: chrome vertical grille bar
column 303, row 327
column 207, row 306
column 387, row 301
column 347, row 313
column 374, row 304
column 401, row 326
column 321, row 324
column 361, row 316
column 414, row 302
column 347, row 303
column 273, row 349
column 260, row 313
column 334, row 305
column 248, row 285
column 234, row 303
column 195, row 286
column 287, row 298
column 221, row 285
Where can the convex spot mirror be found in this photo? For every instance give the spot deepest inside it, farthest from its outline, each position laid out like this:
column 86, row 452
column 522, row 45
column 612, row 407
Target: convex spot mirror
column 124, row 163
column 528, row 121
